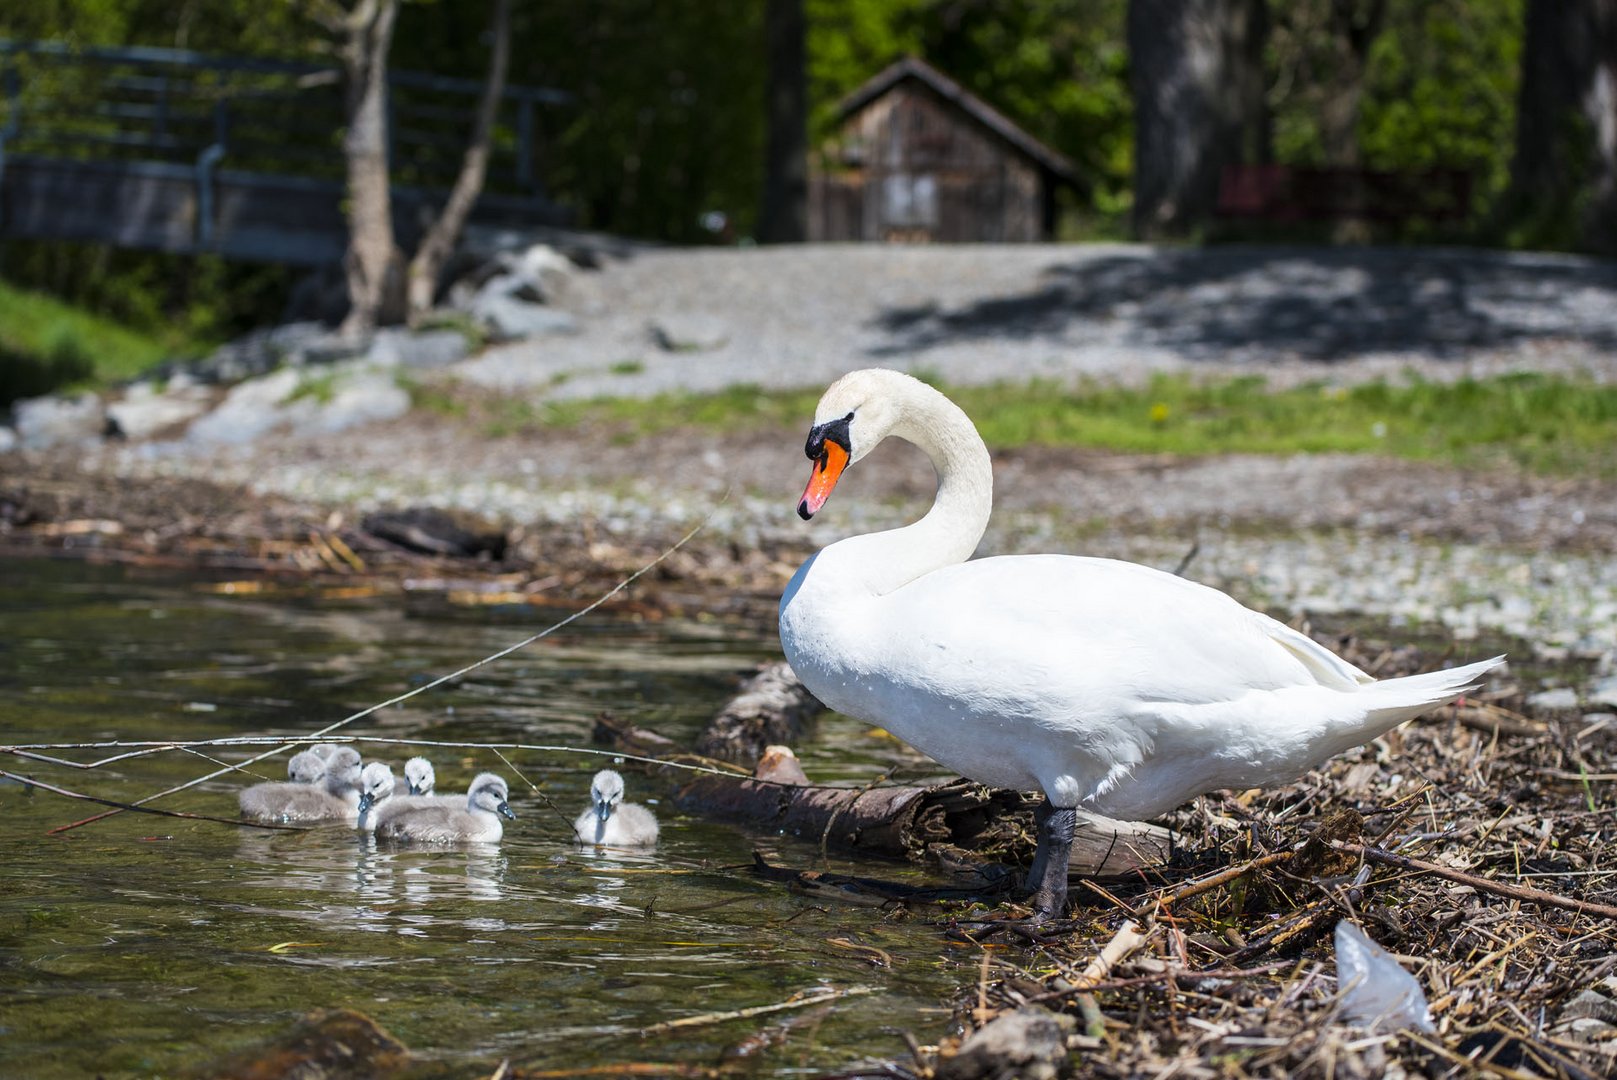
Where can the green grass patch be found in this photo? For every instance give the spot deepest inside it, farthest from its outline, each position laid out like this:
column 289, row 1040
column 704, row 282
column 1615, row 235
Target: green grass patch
column 1548, row 424
column 321, row 388
column 47, row 345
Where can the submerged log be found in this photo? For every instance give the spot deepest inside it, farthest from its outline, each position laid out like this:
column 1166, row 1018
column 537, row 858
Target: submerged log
column 772, row 707
column 943, row 821
column 328, row 1043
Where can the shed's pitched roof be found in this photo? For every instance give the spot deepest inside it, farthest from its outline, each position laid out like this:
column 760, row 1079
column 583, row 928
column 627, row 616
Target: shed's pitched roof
column 912, row 68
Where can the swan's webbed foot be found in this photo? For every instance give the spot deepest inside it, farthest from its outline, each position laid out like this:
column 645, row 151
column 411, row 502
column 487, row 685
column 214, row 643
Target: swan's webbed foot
column 1055, row 844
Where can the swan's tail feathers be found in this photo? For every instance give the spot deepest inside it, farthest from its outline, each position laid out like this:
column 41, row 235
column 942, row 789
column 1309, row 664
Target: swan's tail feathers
column 1392, row 701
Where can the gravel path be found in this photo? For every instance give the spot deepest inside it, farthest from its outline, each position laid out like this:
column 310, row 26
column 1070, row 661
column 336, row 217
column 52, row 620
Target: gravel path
column 799, row 316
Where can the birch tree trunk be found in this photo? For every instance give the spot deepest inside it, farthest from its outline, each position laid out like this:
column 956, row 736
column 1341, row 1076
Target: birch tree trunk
column 439, row 243
column 373, row 263
column 1196, row 75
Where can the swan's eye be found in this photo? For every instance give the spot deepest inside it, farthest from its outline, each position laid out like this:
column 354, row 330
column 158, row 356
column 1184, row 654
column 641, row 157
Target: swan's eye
column 833, row 431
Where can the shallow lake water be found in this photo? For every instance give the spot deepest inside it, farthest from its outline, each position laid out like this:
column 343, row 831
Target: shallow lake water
column 144, row 945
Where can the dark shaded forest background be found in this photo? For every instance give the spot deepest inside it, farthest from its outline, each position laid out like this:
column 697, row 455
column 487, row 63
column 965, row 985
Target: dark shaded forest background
column 669, row 124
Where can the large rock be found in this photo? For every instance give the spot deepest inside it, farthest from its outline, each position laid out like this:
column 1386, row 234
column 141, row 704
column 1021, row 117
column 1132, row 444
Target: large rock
column 304, row 402
column 264, row 350
column 363, row 395
column 508, row 318
column 55, row 421
column 251, row 409
column 690, row 331
column 538, row 274
column 145, row 411
column 397, row 347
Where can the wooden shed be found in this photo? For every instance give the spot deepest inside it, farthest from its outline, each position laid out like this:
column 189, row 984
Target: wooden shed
column 917, row 158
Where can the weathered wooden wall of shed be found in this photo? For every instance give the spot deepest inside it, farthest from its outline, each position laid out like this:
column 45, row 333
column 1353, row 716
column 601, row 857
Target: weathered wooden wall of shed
column 910, row 139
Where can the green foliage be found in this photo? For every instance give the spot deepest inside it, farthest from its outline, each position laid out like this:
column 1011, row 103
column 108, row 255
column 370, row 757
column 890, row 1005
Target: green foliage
column 1442, row 90
column 668, row 117
column 186, row 302
column 1438, row 90
column 47, row 345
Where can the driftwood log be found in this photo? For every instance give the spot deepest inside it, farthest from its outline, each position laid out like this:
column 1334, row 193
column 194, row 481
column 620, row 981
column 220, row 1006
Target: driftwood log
column 956, row 823
column 772, row 708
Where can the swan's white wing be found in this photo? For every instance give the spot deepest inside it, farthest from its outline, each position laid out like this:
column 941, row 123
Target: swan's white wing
column 1078, row 627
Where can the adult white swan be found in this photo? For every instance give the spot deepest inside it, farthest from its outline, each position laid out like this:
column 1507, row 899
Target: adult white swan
column 1112, row 687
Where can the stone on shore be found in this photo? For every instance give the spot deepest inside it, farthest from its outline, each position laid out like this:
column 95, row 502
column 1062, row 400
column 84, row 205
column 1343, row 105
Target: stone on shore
column 56, row 421
column 144, row 411
column 1028, row 1044
column 508, row 318
column 690, row 331
column 398, row 347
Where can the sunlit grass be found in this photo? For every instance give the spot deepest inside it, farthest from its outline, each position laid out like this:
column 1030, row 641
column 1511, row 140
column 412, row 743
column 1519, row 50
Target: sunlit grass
column 1544, row 423
column 48, row 345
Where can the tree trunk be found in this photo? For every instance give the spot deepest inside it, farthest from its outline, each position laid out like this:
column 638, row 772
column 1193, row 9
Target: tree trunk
column 1566, row 118
column 783, row 218
column 440, row 241
column 1354, row 26
column 1196, row 75
column 374, row 265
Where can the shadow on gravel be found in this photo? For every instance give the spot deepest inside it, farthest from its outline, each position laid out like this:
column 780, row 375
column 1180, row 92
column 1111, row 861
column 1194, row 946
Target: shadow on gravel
column 1325, row 304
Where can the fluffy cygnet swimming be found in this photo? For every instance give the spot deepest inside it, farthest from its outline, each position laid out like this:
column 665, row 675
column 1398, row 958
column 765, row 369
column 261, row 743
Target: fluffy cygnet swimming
column 334, row 797
column 477, row 819
column 418, row 776
column 306, row 767
column 609, row 821
column 420, row 779
column 376, row 784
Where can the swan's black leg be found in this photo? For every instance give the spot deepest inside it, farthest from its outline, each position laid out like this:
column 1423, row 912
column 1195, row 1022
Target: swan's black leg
column 1041, row 854
column 1050, row 901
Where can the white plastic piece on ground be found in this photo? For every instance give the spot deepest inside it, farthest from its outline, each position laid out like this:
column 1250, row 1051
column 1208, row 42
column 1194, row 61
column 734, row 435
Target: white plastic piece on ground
column 1376, row 992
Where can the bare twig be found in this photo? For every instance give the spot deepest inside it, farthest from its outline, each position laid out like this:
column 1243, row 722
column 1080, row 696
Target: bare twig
column 1206, row 884
column 756, row 1010
column 1515, row 892
column 54, row 790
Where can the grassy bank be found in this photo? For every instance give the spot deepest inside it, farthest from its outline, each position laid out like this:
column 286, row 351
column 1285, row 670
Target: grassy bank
column 47, row 345
column 1547, row 424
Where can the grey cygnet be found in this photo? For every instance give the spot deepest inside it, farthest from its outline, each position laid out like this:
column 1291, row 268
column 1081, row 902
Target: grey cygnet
column 306, row 767
column 609, row 821
column 335, row 797
column 477, row 819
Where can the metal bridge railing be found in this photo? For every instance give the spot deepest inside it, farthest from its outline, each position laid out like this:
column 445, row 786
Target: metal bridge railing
column 252, row 115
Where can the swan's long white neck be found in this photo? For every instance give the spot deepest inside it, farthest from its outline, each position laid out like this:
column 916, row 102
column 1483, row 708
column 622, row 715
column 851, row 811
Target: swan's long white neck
column 950, row 531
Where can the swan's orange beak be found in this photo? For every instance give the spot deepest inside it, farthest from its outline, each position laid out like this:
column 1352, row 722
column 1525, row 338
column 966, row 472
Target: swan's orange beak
column 827, row 468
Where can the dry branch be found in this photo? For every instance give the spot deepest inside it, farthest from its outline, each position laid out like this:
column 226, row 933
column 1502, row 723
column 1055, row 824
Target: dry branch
column 1499, row 888
column 772, row 707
